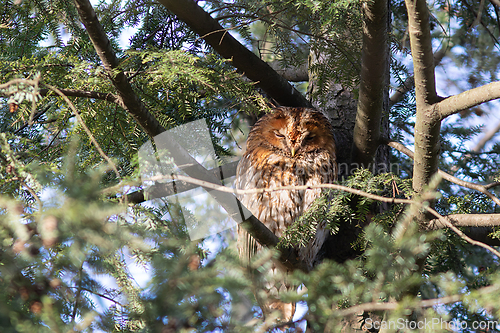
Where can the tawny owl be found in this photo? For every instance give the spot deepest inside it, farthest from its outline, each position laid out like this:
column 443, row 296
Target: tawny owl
column 290, row 146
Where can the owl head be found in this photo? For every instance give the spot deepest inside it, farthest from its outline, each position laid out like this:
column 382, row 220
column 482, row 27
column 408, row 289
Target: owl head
column 292, row 132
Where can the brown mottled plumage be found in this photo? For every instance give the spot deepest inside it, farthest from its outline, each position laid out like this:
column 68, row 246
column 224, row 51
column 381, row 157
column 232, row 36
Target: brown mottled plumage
column 290, row 146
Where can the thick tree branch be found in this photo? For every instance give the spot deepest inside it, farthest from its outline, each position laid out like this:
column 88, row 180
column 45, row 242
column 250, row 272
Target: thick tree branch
column 294, row 74
column 228, row 47
column 421, row 51
column 107, row 55
column 468, row 99
column 446, row 222
column 181, row 157
column 427, row 126
column 468, row 220
column 373, row 82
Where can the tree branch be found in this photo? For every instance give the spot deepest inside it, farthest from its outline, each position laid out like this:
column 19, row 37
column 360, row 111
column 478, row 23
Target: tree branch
column 416, row 304
column 480, row 229
column 373, row 82
column 427, row 126
column 107, row 55
column 443, row 220
column 228, row 47
column 482, row 234
column 109, row 97
column 421, row 51
column 159, row 190
column 468, row 99
column 468, row 220
column 478, row 187
column 294, row 74
column 187, row 163
column 486, row 137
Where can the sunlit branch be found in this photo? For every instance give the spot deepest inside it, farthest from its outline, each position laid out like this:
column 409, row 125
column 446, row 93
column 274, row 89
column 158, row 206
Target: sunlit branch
column 468, row 99
column 159, row 190
column 421, row 51
column 427, row 124
column 374, row 74
column 468, row 220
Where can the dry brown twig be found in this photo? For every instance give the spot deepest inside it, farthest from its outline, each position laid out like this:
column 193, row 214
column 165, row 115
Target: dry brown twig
column 222, row 188
column 481, row 188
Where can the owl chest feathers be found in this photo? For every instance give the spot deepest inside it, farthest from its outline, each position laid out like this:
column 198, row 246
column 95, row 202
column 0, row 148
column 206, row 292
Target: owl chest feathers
column 270, row 170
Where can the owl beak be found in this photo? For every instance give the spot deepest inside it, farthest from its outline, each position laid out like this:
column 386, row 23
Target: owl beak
column 292, row 152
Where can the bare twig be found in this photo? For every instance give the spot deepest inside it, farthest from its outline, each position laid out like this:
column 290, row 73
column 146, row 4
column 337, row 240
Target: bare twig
column 82, row 123
column 486, row 137
column 485, row 26
column 109, row 97
column 225, row 189
column 374, row 74
column 472, row 186
column 159, row 190
column 481, row 188
column 33, row 193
